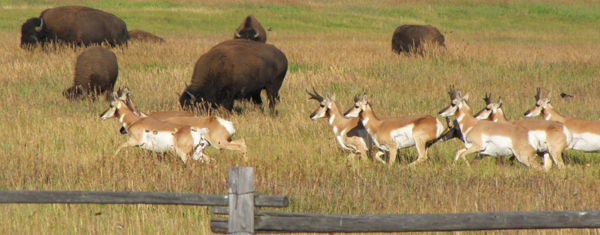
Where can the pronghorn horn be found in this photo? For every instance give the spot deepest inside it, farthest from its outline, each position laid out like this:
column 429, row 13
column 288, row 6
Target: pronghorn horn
column 488, row 99
column 452, row 92
column 537, row 96
column 356, row 98
column 39, row 28
column 191, row 95
column 315, row 96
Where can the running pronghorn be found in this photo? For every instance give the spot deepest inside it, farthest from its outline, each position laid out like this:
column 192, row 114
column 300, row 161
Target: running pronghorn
column 553, row 136
column 490, row 138
column 586, row 133
column 393, row 133
column 220, row 131
column 350, row 133
column 156, row 135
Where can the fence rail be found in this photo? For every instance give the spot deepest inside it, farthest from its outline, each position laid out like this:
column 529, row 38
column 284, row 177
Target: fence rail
column 91, row 197
column 285, row 222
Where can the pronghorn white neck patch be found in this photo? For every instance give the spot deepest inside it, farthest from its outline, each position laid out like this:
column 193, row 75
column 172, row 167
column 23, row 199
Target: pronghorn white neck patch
column 364, row 122
column 548, row 117
column 331, row 119
column 121, row 117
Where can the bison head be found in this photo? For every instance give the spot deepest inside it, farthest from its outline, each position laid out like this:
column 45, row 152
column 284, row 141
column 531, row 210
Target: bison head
column 248, row 33
column 32, row 32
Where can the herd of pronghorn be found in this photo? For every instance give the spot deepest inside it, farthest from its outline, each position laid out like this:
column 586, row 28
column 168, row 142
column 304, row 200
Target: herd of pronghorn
column 487, row 132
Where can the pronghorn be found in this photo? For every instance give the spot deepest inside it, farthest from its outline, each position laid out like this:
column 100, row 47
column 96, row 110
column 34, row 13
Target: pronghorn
column 156, row 135
column 350, row 133
column 490, row 138
column 553, row 136
column 219, row 133
column 586, row 133
column 393, row 133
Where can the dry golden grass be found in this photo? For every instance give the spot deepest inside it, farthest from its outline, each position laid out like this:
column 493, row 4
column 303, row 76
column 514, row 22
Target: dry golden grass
column 51, row 144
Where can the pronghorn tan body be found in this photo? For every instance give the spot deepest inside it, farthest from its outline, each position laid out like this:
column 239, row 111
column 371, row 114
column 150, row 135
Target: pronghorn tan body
column 553, row 137
column 391, row 134
column 586, row 133
column 349, row 133
column 490, row 138
column 220, row 131
column 156, row 135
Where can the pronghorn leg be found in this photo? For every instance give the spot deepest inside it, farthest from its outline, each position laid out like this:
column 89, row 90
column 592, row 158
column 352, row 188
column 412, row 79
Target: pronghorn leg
column 351, row 156
column 527, row 159
column 393, row 151
column 547, row 162
column 378, row 155
column 556, row 155
column 462, row 155
column 237, row 145
column 130, row 143
column 422, row 151
column 458, row 155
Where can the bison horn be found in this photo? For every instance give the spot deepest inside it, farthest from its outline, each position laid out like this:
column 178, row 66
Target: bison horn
column 192, row 96
column 237, row 34
column 39, row 28
column 256, row 35
column 178, row 95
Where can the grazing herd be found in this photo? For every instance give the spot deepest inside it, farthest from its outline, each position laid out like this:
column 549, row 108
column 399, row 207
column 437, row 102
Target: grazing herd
column 240, row 68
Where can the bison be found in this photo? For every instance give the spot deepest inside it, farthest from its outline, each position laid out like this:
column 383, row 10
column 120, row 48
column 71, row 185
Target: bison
column 236, row 69
column 408, row 38
column 75, row 25
column 250, row 29
column 144, row 36
column 96, row 72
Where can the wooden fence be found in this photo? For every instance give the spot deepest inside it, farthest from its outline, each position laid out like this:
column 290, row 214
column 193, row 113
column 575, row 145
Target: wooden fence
column 244, row 219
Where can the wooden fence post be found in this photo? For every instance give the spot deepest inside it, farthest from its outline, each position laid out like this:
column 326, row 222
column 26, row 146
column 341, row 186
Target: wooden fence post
column 241, row 200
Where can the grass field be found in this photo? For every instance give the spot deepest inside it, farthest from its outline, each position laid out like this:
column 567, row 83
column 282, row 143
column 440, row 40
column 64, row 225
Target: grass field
column 505, row 47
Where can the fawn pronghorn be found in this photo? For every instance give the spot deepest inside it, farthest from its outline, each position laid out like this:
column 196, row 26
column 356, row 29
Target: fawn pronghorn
column 553, row 136
column 490, row 138
column 350, row 133
column 220, row 131
column 156, row 135
column 586, row 133
column 392, row 133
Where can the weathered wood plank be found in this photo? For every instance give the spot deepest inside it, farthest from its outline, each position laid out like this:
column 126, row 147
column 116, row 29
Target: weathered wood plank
column 218, row 225
column 241, row 200
column 96, row 197
column 284, row 222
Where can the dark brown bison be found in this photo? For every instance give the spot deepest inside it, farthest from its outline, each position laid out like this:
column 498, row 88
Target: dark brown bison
column 408, row 38
column 251, row 29
column 236, row 69
column 74, row 25
column 144, row 36
column 96, row 72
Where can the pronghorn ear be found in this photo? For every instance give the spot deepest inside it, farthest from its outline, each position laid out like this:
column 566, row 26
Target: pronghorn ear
column 458, row 94
column 548, row 96
column 500, row 101
column 328, row 96
column 365, row 99
column 333, row 97
column 115, row 96
column 466, row 97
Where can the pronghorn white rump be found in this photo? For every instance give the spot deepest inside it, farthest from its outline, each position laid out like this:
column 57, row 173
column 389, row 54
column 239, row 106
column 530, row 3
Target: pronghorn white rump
column 156, row 135
column 489, row 138
column 586, row 133
column 552, row 137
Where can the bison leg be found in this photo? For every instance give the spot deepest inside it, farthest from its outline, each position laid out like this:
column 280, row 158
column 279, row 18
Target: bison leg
column 258, row 103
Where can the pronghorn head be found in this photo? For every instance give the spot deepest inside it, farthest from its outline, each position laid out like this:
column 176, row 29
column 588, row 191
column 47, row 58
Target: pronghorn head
column 540, row 105
column 125, row 95
column 354, row 110
column 325, row 104
column 490, row 108
column 458, row 101
column 115, row 104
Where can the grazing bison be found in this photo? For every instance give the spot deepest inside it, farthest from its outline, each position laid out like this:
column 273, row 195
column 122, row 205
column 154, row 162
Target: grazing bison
column 251, row 29
column 408, row 38
column 236, row 69
column 144, row 36
column 96, row 72
column 74, row 25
